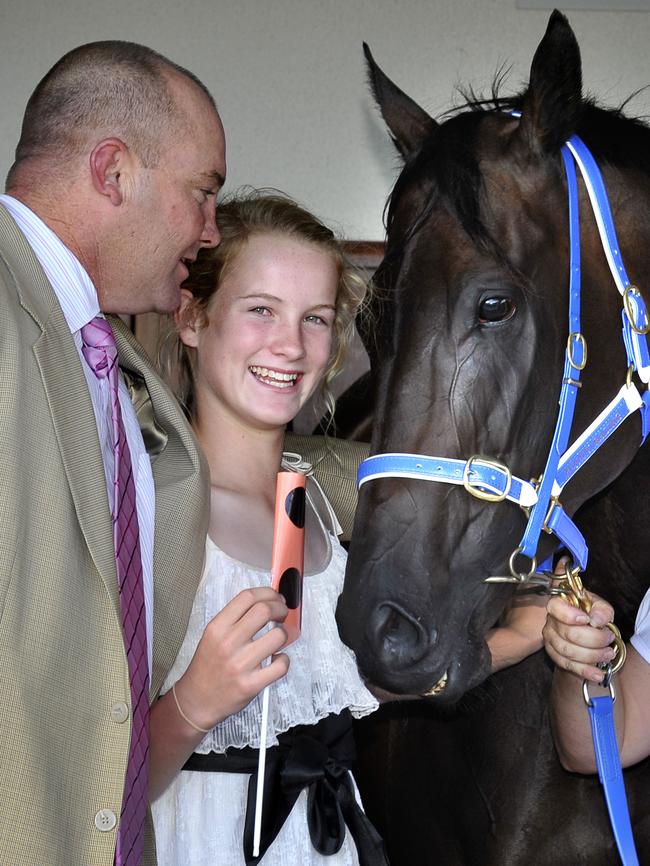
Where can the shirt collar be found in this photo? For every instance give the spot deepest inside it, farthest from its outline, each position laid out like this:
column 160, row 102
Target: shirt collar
column 69, row 279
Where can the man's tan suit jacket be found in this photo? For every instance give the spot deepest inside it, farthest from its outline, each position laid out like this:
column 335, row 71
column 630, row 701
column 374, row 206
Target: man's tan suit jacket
column 64, row 689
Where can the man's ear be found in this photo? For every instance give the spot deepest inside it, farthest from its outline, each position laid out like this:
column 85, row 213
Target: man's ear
column 186, row 319
column 108, row 160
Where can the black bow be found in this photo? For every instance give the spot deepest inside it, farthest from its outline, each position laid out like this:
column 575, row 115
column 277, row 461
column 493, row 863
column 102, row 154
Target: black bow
column 317, row 757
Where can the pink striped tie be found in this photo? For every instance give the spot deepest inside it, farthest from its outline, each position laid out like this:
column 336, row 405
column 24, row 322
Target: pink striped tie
column 100, row 352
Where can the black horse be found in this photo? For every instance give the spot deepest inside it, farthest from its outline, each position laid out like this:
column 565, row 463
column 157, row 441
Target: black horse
column 468, row 360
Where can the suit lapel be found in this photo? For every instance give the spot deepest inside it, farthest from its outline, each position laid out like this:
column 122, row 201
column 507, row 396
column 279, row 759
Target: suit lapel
column 69, row 401
column 76, row 432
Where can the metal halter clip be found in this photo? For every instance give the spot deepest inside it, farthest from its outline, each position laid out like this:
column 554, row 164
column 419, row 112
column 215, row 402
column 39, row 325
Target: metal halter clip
column 587, row 697
column 618, row 661
column 478, row 492
column 572, row 588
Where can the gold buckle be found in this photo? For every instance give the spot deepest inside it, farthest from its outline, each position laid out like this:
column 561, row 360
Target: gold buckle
column 484, row 494
column 554, row 500
column 627, row 306
column 577, row 336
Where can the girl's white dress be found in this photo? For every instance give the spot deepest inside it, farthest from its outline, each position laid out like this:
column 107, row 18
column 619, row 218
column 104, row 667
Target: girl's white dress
column 199, row 819
column 640, row 640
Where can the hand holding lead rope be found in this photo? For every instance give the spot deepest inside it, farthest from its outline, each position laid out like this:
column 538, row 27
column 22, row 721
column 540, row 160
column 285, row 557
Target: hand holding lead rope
column 596, row 615
column 572, row 589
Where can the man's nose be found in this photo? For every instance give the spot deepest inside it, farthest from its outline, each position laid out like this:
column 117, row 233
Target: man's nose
column 211, row 235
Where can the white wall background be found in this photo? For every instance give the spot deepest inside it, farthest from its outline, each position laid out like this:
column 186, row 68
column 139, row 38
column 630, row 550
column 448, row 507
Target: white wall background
column 289, row 76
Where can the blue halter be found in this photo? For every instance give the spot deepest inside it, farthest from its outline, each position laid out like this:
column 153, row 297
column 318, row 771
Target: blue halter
column 492, row 481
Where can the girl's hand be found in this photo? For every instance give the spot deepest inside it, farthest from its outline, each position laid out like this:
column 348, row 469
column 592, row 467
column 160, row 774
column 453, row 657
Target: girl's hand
column 519, row 633
column 577, row 641
column 226, row 672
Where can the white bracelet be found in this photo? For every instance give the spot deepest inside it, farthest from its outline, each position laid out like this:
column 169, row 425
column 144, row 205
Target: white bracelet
column 183, row 716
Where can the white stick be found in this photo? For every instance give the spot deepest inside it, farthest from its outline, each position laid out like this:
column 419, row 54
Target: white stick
column 261, row 766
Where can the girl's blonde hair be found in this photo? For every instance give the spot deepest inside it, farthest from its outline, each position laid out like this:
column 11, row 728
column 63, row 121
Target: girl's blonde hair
column 240, row 217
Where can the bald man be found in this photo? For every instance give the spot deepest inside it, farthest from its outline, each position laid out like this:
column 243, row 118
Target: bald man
column 111, row 195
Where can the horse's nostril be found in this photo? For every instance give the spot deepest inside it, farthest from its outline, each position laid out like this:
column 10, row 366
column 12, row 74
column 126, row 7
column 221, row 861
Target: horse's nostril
column 399, row 638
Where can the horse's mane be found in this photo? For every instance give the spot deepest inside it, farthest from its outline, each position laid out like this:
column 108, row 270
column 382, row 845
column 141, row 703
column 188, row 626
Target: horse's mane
column 447, row 165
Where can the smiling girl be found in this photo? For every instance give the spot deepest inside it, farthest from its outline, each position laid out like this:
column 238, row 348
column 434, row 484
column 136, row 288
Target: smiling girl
column 265, row 320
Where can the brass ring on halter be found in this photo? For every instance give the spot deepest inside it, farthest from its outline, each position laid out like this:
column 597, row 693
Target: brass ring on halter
column 519, row 575
column 578, row 337
column 573, row 590
column 628, row 376
column 477, row 492
column 621, row 650
column 627, row 306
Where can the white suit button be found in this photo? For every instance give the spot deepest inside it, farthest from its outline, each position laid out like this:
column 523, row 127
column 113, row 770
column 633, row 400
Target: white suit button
column 119, row 712
column 105, row 820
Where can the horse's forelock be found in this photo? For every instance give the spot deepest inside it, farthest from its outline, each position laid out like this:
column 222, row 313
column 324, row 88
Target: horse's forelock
column 446, row 172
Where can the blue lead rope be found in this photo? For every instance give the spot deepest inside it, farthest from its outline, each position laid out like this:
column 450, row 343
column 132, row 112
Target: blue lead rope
column 610, row 773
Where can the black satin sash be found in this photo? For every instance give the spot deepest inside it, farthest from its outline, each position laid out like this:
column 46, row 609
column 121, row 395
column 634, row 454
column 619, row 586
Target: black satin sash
column 317, row 757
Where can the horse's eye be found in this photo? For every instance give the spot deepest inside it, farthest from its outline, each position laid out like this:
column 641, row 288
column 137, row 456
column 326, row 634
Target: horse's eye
column 493, row 310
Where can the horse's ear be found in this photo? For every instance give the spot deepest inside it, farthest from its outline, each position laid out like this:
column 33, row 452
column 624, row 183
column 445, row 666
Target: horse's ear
column 409, row 124
column 553, row 102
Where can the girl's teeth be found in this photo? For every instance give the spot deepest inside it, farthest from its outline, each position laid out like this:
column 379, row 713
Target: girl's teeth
column 273, row 377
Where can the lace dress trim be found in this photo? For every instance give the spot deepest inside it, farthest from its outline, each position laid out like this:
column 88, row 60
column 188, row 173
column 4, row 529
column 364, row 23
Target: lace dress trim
column 323, row 676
